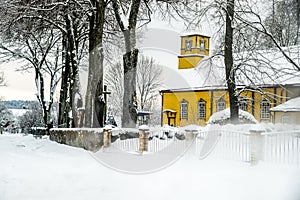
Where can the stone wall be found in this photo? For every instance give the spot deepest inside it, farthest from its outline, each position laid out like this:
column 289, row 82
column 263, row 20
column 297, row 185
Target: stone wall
column 89, row 139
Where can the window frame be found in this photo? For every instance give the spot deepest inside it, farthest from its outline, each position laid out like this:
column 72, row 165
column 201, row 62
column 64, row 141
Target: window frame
column 218, row 106
column 243, row 105
column 184, row 111
column 188, row 44
column 202, row 44
column 265, row 106
column 202, row 115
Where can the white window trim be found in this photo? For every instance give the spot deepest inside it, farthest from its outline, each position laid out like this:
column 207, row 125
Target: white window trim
column 221, row 101
column 265, row 110
column 200, row 114
column 182, row 115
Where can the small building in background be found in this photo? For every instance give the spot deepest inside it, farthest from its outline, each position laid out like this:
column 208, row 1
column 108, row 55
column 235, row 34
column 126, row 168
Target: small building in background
column 143, row 117
column 288, row 112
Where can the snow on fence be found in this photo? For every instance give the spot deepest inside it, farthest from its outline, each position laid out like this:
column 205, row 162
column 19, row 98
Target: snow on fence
column 158, row 141
column 277, row 147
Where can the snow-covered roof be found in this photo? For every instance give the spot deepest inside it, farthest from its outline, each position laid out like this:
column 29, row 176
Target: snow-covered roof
column 268, row 67
column 205, row 74
column 292, row 105
column 260, row 68
column 18, row 112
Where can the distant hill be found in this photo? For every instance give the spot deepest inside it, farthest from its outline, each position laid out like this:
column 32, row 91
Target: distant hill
column 19, row 104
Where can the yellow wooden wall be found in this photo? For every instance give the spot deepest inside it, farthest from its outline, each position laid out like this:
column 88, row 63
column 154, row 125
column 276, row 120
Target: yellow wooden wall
column 188, row 62
column 171, row 100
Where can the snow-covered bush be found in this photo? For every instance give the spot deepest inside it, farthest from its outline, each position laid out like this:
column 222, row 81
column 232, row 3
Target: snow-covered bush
column 6, row 119
column 32, row 118
column 223, row 117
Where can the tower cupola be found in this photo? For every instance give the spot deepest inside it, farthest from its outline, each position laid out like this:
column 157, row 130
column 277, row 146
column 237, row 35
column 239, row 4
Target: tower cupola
column 194, row 47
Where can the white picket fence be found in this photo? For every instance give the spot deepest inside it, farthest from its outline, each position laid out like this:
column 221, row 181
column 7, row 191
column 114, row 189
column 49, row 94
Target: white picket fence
column 282, row 147
column 276, row 147
column 229, row 145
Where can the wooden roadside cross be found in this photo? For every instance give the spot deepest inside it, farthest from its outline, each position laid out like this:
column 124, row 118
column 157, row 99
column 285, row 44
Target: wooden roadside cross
column 105, row 93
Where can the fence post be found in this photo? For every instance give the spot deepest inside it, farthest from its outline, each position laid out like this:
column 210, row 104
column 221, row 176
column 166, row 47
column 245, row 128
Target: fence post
column 107, row 136
column 190, row 134
column 143, row 138
column 256, row 143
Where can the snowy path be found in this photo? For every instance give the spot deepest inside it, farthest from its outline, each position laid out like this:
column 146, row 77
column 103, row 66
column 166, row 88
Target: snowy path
column 39, row 169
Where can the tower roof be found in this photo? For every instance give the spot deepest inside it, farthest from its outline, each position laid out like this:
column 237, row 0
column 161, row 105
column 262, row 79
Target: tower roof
column 194, row 33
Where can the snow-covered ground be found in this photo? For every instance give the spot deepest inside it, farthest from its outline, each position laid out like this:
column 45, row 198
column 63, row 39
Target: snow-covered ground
column 42, row 169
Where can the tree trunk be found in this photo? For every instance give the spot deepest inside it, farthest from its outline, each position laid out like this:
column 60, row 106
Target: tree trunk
column 94, row 107
column 129, row 117
column 298, row 22
column 69, row 82
column 62, row 115
column 230, row 71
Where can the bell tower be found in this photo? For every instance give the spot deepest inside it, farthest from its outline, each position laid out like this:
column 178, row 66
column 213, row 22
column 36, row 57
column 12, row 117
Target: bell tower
column 194, row 47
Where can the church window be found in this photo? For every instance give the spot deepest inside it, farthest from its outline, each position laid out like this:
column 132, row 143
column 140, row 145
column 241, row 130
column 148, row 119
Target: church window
column 201, row 109
column 221, row 104
column 243, row 105
column 265, row 109
column 188, row 45
column 202, row 45
column 183, row 109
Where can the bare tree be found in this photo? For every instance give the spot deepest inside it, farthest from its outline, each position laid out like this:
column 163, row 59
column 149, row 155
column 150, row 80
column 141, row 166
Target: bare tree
column 148, row 82
column 241, row 46
column 127, row 21
column 128, row 14
column 95, row 105
column 283, row 23
column 114, row 81
column 41, row 51
column 230, row 72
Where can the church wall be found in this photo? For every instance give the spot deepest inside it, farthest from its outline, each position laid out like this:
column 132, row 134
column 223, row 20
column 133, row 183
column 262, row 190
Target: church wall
column 172, row 100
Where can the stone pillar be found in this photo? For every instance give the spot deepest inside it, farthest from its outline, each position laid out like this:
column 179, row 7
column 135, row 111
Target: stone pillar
column 143, row 138
column 190, row 134
column 256, row 144
column 107, row 136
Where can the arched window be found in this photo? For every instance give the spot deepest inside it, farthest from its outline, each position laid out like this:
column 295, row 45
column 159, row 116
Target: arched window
column 201, row 109
column 265, row 109
column 183, row 109
column 221, row 104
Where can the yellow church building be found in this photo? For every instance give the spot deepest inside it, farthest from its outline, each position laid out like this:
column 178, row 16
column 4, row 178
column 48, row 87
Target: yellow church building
column 199, row 90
